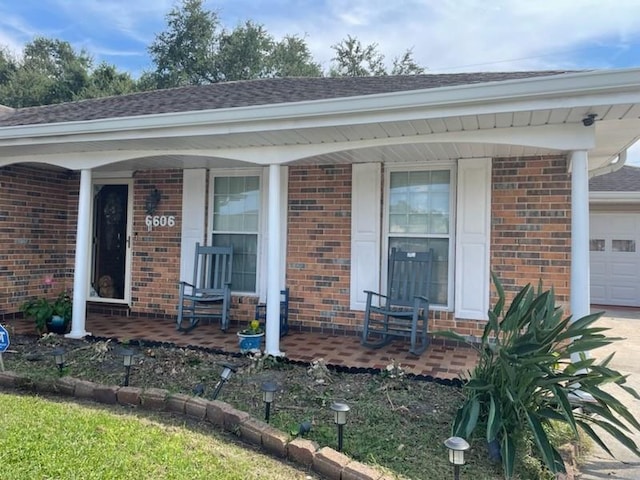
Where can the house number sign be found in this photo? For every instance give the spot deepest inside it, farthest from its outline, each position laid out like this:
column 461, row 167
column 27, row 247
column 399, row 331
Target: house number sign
column 155, row 221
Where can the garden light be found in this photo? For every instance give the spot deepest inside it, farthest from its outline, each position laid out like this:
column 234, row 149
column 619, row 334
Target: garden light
column 456, row 446
column 127, row 356
column 227, row 370
column 268, row 391
column 340, row 418
column 58, row 355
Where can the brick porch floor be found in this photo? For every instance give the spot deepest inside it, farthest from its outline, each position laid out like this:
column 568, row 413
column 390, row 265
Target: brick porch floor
column 440, row 360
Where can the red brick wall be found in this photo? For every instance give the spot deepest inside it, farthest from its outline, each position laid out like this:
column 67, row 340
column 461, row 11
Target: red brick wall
column 156, row 253
column 530, row 239
column 37, row 233
column 531, row 223
column 319, row 246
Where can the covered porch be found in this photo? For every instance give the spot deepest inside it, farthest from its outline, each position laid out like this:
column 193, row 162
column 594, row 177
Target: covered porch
column 442, row 360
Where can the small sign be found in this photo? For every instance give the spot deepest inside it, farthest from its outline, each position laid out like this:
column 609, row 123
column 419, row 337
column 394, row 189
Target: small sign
column 4, row 339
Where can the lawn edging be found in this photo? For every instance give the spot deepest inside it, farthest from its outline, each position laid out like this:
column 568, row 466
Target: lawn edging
column 324, row 461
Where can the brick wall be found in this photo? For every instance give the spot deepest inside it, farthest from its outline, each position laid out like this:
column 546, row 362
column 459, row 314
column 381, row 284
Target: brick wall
column 531, row 223
column 37, row 233
column 530, row 239
column 319, row 246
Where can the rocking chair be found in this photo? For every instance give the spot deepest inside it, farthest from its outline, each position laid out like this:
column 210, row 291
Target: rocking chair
column 404, row 310
column 209, row 296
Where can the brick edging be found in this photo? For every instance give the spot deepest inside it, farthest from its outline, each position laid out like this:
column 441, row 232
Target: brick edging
column 324, row 461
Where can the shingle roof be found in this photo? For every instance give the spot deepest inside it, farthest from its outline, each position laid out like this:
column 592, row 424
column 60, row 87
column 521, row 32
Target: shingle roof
column 626, row 179
column 246, row 93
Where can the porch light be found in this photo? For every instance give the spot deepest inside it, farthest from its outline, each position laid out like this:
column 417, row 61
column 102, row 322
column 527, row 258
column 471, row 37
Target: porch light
column 268, row 392
column 456, row 446
column 58, row 355
column 227, row 370
column 127, row 357
column 340, row 418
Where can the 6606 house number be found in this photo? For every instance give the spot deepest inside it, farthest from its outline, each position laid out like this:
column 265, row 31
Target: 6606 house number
column 155, row 221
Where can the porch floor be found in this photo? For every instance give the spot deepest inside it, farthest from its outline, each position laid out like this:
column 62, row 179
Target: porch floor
column 440, row 360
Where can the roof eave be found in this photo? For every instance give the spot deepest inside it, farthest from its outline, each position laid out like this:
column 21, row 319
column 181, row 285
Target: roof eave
column 456, row 99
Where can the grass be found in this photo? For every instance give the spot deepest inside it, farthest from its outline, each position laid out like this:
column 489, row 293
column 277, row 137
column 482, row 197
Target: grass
column 47, row 439
column 397, row 424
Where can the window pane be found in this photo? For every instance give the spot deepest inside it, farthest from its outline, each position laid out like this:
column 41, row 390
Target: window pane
column 623, row 246
column 596, row 245
column 236, row 202
column 440, row 272
column 245, row 261
column 419, row 202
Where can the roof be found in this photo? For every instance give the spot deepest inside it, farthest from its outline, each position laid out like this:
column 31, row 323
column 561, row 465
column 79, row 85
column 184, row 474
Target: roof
column 246, row 93
column 626, row 179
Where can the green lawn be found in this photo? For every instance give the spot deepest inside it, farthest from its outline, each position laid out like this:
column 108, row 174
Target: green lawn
column 44, row 439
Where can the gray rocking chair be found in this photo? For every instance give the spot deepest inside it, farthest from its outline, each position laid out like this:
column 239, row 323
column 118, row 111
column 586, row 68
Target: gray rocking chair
column 209, row 296
column 404, row 310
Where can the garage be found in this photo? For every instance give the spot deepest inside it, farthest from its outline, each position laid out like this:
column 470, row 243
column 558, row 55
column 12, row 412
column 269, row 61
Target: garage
column 614, row 204
column 615, row 259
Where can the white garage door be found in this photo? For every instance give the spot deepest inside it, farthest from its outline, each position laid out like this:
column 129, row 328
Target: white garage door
column 615, row 259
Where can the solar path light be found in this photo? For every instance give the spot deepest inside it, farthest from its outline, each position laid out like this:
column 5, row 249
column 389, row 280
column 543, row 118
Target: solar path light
column 456, row 446
column 340, row 418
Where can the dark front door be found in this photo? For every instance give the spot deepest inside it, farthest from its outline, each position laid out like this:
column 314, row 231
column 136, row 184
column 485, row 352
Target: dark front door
column 108, row 279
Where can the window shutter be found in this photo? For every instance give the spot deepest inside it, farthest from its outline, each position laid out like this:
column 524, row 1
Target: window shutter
column 193, row 213
column 473, row 231
column 365, row 231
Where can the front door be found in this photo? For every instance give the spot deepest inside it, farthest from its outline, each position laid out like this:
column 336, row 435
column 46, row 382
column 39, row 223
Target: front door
column 110, row 242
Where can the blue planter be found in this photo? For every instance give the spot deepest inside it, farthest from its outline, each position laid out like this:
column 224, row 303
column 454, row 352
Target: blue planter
column 250, row 343
column 57, row 324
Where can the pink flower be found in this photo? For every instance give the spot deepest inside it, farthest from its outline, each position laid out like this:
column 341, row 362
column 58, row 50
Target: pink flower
column 48, row 281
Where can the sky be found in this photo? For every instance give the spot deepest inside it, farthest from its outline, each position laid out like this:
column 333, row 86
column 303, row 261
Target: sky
column 444, row 35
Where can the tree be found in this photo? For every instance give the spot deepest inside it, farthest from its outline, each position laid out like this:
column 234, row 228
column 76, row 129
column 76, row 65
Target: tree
column 50, row 71
column 105, row 80
column 291, row 58
column 184, row 53
column 353, row 59
column 244, row 53
column 195, row 50
column 406, row 65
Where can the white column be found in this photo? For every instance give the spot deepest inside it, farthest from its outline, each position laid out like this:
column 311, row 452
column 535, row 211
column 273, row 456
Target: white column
column 272, row 340
column 83, row 258
column 580, row 297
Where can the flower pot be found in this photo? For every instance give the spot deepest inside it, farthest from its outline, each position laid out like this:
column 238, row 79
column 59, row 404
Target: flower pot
column 250, row 342
column 57, row 324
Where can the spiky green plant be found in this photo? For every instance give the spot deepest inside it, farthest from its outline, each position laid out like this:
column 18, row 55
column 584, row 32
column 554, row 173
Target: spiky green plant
column 533, row 370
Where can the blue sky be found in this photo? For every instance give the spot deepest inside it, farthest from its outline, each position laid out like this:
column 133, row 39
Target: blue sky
column 445, row 35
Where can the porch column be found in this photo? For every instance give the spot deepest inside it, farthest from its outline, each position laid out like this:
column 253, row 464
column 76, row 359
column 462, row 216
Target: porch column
column 81, row 272
column 272, row 340
column 580, row 302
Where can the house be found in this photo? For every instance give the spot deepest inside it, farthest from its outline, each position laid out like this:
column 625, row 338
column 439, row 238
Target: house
column 614, row 242
column 312, row 180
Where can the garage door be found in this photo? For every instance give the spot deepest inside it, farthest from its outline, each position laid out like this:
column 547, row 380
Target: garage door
column 615, row 259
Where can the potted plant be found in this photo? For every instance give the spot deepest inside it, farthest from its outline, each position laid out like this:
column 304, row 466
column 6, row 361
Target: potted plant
column 250, row 338
column 49, row 315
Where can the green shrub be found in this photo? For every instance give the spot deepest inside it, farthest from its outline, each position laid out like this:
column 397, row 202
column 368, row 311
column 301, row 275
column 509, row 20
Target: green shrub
column 532, row 371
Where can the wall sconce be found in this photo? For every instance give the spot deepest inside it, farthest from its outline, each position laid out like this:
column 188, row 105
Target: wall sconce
column 58, row 356
column 268, row 392
column 340, row 418
column 152, row 201
column 127, row 357
column 456, row 446
column 227, row 370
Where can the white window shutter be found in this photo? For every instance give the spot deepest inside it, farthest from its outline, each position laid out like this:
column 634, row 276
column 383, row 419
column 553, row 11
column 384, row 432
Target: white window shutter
column 473, row 230
column 193, row 221
column 365, row 231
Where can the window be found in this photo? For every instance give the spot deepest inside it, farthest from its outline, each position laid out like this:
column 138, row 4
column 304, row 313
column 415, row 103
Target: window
column 623, row 246
column 596, row 245
column 236, row 222
column 419, row 219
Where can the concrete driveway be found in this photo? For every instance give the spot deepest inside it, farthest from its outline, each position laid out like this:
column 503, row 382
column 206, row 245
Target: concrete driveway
column 625, row 465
